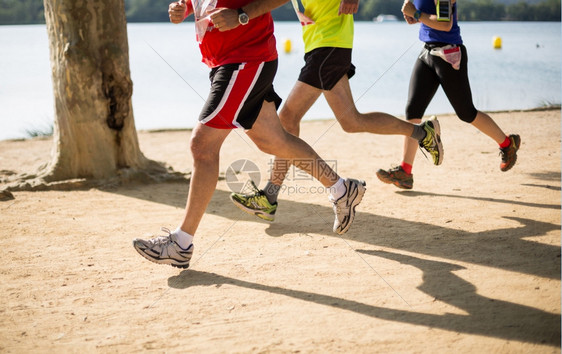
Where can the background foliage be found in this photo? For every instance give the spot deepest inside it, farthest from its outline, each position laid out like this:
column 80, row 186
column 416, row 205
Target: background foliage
column 31, row 11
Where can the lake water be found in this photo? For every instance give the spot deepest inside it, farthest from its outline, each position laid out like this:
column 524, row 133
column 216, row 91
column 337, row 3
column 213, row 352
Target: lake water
column 171, row 84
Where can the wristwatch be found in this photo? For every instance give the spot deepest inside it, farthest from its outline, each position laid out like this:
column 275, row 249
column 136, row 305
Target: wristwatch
column 417, row 15
column 243, row 17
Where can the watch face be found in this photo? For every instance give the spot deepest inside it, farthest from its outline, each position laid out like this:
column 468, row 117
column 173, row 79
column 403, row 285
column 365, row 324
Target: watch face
column 243, row 18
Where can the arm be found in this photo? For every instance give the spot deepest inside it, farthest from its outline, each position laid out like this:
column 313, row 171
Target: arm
column 348, row 7
column 178, row 11
column 227, row 19
column 260, row 7
column 409, row 10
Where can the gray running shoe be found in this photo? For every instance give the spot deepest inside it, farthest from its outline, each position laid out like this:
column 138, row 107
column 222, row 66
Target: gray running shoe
column 344, row 208
column 432, row 141
column 164, row 250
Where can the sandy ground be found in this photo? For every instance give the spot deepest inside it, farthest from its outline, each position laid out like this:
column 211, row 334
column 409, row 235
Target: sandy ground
column 467, row 262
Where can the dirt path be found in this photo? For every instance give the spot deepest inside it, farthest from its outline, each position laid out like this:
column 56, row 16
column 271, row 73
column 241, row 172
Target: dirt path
column 468, row 261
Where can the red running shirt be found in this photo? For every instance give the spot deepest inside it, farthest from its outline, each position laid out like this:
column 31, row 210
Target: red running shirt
column 253, row 42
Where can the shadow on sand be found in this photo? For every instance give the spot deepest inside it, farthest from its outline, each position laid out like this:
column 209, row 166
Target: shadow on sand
column 504, row 248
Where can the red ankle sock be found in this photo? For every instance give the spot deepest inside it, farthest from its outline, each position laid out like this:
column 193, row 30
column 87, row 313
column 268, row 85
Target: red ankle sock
column 406, row 167
column 505, row 143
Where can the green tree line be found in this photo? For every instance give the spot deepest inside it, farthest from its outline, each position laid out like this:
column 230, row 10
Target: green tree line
column 474, row 10
column 31, row 11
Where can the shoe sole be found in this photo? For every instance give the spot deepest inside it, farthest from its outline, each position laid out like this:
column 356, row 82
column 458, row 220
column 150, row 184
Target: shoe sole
column 361, row 189
column 260, row 214
column 517, row 141
column 437, row 129
column 389, row 180
column 168, row 261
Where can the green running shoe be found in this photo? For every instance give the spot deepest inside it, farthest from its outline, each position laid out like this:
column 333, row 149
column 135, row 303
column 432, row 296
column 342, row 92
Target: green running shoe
column 432, row 141
column 255, row 203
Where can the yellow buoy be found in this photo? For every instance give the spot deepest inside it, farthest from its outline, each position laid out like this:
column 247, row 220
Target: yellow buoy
column 287, row 45
column 497, row 42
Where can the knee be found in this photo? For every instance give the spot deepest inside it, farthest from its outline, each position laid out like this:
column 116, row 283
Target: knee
column 351, row 121
column 350, row 125
column 412, row 113
column 468, row 117
column 290, row 121
column 200, row 151
column 268, row 146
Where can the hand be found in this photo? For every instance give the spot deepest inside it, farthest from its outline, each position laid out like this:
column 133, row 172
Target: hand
column 410, row 20
column 348, row 7
column 224, row 19
column 408, row 8
column 176, row 11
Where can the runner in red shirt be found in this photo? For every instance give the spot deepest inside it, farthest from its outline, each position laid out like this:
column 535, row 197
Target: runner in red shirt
column 243, row 62
column 251, row 42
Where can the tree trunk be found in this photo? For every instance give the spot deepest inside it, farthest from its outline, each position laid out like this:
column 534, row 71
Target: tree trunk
column 95, row 140
column 94, row 133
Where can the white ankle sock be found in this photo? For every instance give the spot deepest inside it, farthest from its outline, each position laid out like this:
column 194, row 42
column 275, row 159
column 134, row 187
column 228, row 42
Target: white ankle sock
column 338, row 189
column 183, row 238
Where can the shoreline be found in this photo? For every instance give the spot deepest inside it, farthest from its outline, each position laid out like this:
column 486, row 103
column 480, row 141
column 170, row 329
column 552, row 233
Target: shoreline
column 164, row 130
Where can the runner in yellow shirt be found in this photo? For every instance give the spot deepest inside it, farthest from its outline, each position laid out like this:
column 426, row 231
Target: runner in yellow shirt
column 330, row 28
column 327, row 69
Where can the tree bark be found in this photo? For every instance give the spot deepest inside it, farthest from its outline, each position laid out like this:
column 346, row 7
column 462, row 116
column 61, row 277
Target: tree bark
column 94, row 133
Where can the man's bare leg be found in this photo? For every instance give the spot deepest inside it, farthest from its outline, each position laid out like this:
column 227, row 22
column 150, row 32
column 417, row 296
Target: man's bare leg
column 205, row 148
column 177, row 248
column 269, row 135
column 301, row 98
column 342, row 104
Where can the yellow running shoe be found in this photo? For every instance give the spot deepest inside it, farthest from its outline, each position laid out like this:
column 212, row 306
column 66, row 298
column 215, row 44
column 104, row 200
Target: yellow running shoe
column 255, row 203
column 432, row 141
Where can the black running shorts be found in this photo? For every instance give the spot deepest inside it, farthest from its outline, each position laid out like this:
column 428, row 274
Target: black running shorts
column 324, row 67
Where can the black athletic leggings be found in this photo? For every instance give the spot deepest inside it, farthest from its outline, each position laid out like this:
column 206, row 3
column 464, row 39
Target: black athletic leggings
column 426, row 77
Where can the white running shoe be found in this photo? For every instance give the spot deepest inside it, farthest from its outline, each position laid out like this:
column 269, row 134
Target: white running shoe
column 344, row 208
column 164, row 250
